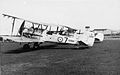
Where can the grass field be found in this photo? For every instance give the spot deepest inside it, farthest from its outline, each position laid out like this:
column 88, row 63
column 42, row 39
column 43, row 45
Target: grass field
column 102, row 59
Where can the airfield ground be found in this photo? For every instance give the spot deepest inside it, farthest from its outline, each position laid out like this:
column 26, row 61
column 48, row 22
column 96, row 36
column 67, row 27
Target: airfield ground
column 102, row 59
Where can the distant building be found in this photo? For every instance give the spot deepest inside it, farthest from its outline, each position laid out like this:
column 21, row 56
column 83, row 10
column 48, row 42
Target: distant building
column 104, row 31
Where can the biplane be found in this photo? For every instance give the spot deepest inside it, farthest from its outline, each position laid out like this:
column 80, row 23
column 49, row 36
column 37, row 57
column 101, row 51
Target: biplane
column 39, row 33
column 67, row 35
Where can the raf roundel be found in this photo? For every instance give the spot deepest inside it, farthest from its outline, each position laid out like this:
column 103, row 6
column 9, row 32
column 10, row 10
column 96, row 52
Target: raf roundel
column 60, row 39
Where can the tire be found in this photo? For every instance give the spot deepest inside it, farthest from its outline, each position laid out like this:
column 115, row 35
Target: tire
column 77, row 47
column 26, row 46
column 36, row 45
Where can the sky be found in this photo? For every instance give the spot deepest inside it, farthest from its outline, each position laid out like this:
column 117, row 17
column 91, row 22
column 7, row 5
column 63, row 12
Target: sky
column 73, row 13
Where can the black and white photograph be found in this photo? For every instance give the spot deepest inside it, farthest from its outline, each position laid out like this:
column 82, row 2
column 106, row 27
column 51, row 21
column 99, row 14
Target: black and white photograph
column 59, row 37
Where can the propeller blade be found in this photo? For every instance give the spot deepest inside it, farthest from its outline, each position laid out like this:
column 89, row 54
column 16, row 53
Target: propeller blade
column 21, row 28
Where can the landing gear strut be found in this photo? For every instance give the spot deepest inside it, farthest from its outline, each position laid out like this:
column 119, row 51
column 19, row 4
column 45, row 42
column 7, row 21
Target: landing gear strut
column 36, row 45
column 31, row 45
column 26, row 46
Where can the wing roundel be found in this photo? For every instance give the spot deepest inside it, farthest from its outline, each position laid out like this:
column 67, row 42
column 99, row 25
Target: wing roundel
column 60, row 39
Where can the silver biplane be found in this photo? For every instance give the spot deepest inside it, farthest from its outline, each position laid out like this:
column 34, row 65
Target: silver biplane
column 67, row 35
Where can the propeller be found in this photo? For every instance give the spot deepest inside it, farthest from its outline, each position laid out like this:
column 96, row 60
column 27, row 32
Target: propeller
column 21, row 28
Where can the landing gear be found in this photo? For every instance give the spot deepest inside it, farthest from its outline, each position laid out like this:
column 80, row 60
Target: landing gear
column 77, row 46
column 81, row 45
column 36, row 45
column 26, row 46
column 33, row 45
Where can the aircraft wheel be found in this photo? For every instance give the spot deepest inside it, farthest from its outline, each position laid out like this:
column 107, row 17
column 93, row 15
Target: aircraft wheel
column 77, row 46
column 36, row 45
column 26, row 46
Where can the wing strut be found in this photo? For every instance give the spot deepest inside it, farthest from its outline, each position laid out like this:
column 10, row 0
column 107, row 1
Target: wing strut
column 13, row 25
column 57, row 28
column 50, row 28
